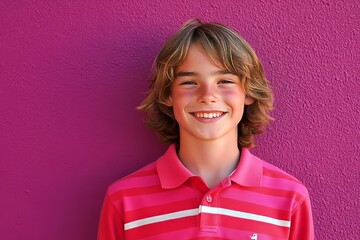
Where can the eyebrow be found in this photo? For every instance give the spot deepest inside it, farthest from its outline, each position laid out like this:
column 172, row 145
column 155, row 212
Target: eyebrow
column 192, row 74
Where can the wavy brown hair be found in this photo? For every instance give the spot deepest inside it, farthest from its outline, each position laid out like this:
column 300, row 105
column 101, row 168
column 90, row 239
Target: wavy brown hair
column 223, row 45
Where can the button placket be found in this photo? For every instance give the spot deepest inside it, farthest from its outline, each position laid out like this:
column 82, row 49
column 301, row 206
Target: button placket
column 209, row 222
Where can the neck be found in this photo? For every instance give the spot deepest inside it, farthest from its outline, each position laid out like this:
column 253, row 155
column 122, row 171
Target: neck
column 211, row 160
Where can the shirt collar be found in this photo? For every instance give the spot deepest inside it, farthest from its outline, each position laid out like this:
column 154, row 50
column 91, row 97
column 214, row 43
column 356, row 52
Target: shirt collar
column 173, row 173
column 249, row 171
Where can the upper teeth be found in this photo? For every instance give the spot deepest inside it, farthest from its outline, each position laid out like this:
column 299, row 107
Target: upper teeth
column 207, row 115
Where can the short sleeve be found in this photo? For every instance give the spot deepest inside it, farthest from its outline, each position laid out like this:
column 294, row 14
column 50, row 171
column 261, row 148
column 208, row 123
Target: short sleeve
column 302, row 226
column 111, row 226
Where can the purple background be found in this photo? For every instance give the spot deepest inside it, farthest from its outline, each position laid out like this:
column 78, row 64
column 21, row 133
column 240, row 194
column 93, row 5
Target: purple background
column 71, row 75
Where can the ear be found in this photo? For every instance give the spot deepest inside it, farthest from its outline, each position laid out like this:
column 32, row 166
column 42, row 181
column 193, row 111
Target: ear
column 249, row 100
column 169, row 102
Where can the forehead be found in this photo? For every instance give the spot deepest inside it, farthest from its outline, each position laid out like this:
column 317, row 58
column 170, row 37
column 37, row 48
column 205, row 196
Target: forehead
column 197, row 59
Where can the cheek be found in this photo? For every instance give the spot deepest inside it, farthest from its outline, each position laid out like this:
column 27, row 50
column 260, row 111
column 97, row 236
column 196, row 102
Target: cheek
column 233, row 95
column 180, row 97
column 180, row 100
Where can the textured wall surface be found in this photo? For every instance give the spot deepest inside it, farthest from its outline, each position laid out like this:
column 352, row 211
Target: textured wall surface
column 71, row 75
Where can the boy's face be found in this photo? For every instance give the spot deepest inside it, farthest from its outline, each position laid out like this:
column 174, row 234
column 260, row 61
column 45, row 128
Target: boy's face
column 208, row 102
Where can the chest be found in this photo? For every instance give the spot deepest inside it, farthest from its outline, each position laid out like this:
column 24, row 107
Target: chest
column 227, row 213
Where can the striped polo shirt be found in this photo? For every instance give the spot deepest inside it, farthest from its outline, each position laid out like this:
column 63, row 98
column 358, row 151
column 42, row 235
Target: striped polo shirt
column 164, row 200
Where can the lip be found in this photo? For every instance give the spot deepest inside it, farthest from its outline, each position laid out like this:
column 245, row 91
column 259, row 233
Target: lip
column 210, row 116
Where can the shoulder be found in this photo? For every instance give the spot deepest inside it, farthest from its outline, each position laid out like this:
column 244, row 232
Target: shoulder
column 277, row 173
column 135, row 182
column 281, row 184
column 145, row 180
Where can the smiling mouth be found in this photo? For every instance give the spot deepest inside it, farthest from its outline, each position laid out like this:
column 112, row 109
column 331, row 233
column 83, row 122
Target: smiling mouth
column 208, row 115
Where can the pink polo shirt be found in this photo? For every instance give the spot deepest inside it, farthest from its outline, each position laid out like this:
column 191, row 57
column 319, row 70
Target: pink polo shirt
column 164, row 200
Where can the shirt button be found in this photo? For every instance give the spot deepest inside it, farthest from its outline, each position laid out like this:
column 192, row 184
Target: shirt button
column 209, row 198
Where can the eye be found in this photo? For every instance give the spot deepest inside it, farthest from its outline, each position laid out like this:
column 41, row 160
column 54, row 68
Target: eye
column 225, row 81
column 188, row 83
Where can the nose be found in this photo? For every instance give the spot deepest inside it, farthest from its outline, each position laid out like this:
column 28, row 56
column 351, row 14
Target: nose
column 207, row 94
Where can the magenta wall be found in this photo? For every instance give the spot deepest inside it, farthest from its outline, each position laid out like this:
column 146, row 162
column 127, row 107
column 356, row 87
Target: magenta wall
column 71, row 75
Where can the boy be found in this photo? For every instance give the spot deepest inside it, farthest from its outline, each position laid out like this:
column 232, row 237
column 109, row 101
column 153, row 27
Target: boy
column 208, row 97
